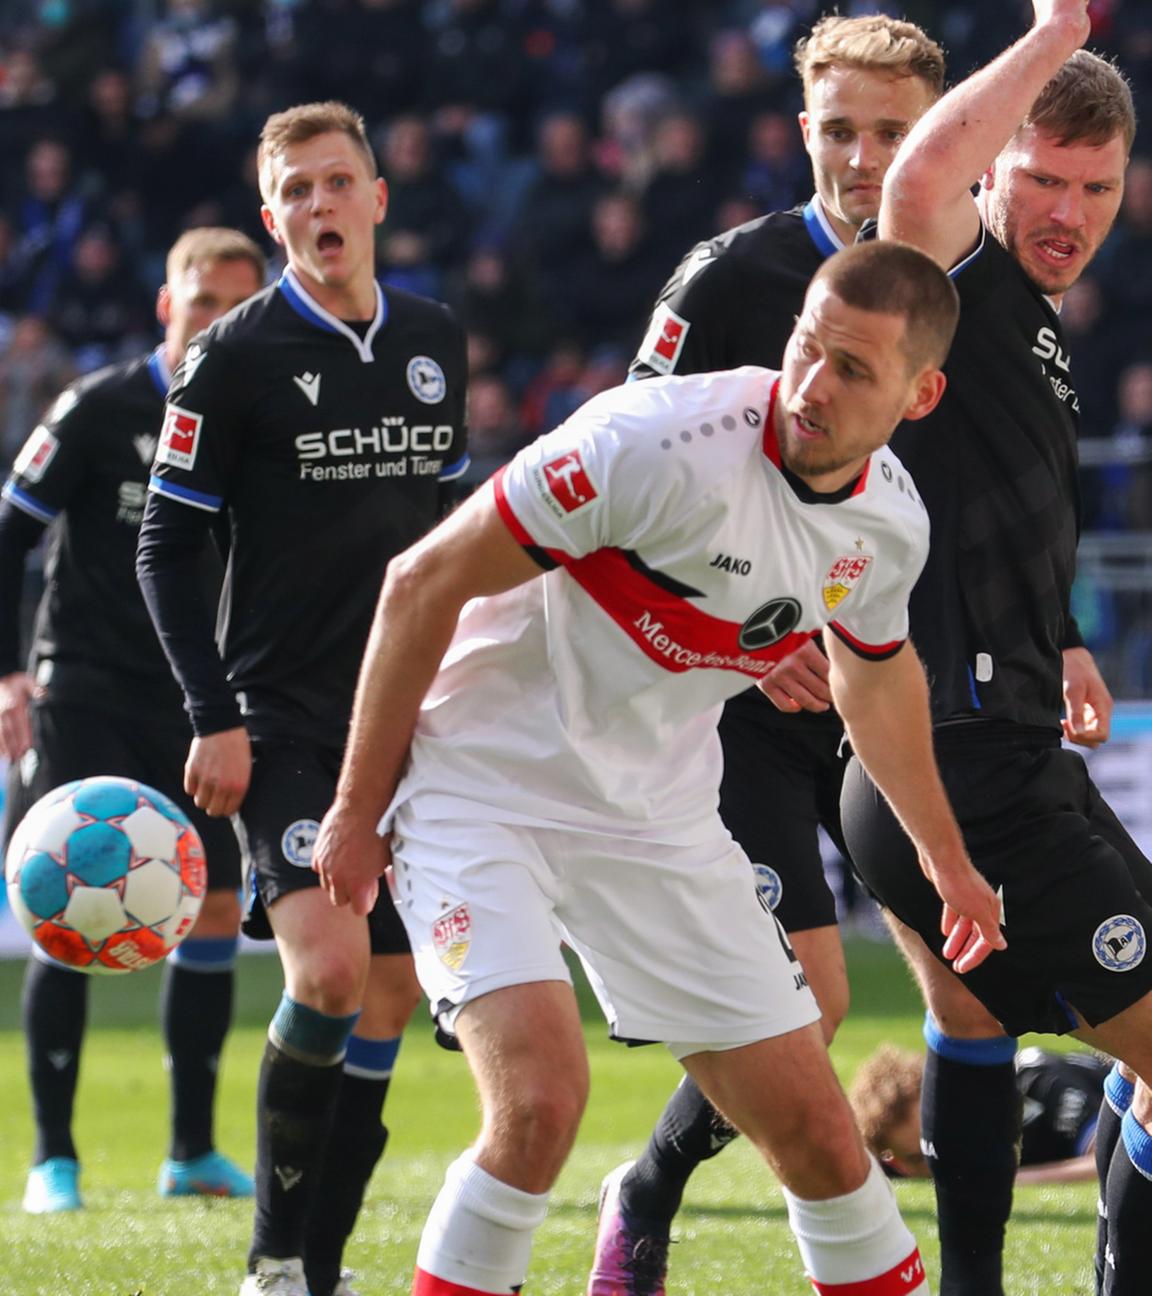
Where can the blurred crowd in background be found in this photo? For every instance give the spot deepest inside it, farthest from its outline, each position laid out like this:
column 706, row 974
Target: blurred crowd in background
column 548, row 162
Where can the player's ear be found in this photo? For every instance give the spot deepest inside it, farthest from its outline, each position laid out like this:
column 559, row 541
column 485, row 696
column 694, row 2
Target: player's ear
column 988, row 179
column 269, row 219
column 802, row 118
column 164, row 306
column 381, row 200
column 927, row 390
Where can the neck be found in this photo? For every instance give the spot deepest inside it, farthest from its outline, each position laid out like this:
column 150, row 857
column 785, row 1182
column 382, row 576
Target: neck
column 354, row 300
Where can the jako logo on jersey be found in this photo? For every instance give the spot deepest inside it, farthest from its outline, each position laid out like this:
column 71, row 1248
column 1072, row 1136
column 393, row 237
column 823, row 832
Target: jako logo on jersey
column 769, row 624
column 426, row 380
column 389, row 438
column 842, row 578
column 298, row 841
column 452, row 936
column 309, row 384
column 769, row 888
column 179, row 437
column 38, row 452
column 1119, row 943
column 568, row 483
column 737, row 566
column 664, row 340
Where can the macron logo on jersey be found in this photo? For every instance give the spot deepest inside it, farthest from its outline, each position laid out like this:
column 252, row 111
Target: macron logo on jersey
column 664, row 341
column 179, row 437
column 309, row 384
column 568, row 483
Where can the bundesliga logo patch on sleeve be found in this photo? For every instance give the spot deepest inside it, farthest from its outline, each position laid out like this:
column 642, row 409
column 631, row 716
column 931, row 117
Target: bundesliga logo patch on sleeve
column 180, row 437
column 664, row 340
column 38, row 452
column 566, row 483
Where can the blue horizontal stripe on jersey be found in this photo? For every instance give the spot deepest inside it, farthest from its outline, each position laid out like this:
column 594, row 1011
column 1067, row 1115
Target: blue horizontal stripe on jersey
column 457, row 469
column 213, row 503
column 27, row 504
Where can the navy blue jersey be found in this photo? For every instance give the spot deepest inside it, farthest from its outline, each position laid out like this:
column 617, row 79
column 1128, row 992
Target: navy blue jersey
column 325, row 446
column 996, row 464
column 84, row 473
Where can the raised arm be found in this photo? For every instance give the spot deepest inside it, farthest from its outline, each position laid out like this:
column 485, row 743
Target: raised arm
column 927, row 193
column 884, row 706
column 470, row 554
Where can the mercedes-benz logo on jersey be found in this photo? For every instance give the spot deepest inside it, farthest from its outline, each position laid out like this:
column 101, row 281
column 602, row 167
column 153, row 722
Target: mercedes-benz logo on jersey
column 298, row 841
column 1119, row 943
column 426, row 380
column 769, row 624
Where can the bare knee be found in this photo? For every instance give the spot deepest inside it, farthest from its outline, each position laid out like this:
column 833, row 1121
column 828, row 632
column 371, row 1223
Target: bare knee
column 529, row 1131
column 329, row 980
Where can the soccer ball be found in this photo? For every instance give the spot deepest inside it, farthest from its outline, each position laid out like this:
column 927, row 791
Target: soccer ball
column 106, row 875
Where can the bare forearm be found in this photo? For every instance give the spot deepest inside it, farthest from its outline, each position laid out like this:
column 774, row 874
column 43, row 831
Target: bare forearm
column 889, row 726
column 927, row 198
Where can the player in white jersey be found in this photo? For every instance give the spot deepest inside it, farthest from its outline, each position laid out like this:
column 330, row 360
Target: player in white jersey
column 560, row 765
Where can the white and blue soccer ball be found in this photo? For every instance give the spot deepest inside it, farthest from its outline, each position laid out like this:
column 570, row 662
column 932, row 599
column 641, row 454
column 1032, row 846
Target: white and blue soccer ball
column 106, row 874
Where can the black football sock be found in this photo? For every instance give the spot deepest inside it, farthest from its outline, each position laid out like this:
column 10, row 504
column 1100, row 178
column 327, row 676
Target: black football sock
column 1113, row 1107
column 296, row 1099
column 690, row 1130
column 195, row 1012
column 55, row 1010
column 1129, row 1196
column 355, row 1145
column 971, row 1085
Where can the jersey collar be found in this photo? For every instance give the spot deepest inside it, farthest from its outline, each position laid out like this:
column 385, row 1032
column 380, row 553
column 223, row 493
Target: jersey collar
column 799, row 487
column 308, row 308
column 820, row 229
column 160, row 373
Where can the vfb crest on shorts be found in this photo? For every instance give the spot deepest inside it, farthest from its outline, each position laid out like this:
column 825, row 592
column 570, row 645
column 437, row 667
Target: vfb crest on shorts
column 452, row 936
column 1119, row 943
column 842, row 578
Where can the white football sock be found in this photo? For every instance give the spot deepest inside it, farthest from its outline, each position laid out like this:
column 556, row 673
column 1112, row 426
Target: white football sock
column 479, row 1231
column 858, row 1238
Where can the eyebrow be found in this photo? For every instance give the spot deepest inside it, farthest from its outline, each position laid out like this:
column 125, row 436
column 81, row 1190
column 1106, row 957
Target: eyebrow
column 884, row 123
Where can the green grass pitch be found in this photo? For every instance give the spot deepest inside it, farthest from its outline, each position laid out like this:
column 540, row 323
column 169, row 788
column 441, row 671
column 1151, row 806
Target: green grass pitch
column 732, row 1234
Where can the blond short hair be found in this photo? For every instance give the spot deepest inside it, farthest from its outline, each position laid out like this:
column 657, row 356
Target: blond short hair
column 1089, row 101
column 212, row 243
column 873, row 43
column 884, row 1093
column 305, row 122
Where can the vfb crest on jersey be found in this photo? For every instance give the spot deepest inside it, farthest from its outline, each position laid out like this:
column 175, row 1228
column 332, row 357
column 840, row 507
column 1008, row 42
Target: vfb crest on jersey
column 842, row 578
column 426, row 380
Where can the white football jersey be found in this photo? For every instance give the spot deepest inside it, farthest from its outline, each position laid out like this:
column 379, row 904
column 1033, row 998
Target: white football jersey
column 683, row 564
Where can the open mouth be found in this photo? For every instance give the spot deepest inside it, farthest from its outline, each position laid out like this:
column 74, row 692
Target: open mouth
column 1058, row 251
column 808, row 430
column 329, row 241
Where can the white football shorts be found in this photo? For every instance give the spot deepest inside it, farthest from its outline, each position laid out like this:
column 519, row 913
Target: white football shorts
column 674, row 939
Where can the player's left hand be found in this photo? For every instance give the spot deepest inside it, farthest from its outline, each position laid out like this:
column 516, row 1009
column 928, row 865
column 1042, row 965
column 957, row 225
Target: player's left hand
column 971, row 916
column 799, row 682
column 350, row 858
column 1087, row 702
